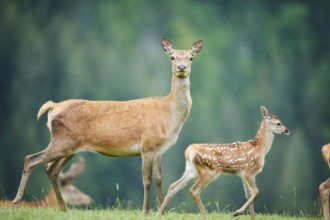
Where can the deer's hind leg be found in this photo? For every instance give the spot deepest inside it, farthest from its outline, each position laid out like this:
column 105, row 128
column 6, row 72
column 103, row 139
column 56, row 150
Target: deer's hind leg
column 204, row 179
column 53, row 171
column 51, row 153
column 189, row 175
column 30, row 163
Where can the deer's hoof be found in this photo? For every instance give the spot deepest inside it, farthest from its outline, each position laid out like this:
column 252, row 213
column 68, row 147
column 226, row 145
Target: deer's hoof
column 145, row 212
column 237, row 213
column 16, row 202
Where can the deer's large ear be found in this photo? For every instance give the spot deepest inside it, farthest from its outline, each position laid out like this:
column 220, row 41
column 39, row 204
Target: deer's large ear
column 75, row 170
column 167, row 45
column 264, row 112
column 197, row 47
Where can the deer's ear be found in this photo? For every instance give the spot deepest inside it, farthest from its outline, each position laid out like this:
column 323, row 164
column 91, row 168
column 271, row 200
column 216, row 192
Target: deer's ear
column 264, row 112
column 167, row 45
column 197, row 47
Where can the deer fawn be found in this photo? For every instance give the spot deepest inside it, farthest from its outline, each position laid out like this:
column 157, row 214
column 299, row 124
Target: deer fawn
column 71, row 195
column 325, row 186
column 204, row 162
column 146, row 127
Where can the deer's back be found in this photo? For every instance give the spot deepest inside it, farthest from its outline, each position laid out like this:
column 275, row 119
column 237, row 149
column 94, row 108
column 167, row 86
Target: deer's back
column 228, row 158
column 113, row 128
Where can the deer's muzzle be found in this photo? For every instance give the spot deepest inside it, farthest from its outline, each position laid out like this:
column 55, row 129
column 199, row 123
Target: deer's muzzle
column 286, row 132
column 181, row 74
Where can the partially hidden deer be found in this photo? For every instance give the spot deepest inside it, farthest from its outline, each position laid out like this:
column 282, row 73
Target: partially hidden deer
column 205, row 162
column 325, row 186
column 146, row 127
column 71, row 194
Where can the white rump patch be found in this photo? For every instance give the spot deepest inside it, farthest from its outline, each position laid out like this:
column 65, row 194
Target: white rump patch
column 190, row 170
column 191, row 155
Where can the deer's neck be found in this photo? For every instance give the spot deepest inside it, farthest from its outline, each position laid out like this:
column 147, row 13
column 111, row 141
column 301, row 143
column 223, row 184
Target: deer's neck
column 180, row 97
column 265, row 137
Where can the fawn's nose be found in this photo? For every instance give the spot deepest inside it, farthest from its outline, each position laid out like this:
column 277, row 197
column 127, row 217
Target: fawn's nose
column 286, row 132
column 182, row 67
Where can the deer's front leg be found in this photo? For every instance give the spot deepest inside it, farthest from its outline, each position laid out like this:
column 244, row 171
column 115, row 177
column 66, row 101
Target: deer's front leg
column 248, row 193
column 157, row 172
column 251, row 184
column 147, row 164
column 324, row 195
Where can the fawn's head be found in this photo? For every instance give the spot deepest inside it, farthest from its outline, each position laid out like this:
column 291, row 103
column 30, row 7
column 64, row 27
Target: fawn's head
column 181, row 59
column 273, row 122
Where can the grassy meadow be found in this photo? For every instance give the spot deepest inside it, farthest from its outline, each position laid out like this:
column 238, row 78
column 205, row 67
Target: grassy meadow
column 11, row 213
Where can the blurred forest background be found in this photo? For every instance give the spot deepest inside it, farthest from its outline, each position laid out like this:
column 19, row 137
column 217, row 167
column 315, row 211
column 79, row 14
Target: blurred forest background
column 271, row 53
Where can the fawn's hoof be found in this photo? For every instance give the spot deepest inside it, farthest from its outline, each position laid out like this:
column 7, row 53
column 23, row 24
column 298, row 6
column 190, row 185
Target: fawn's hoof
column 160, row 214
column 16, row 201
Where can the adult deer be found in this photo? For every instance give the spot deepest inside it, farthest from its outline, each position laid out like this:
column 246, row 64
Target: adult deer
column 325, row 186
column 204, row 162
column 71, row 194
column 146, row 127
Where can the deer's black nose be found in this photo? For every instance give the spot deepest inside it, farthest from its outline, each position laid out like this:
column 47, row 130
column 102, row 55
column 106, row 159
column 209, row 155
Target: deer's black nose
column 286, row 132
column 182, row 67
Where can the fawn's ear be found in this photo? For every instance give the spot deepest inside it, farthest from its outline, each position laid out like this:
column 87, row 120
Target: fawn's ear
column 197, row 47
column 264, row 112
column 167, row 46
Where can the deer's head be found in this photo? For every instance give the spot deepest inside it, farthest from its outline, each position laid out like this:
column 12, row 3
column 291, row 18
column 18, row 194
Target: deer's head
column 273, row 122
column 71, row 194
column 181, row 59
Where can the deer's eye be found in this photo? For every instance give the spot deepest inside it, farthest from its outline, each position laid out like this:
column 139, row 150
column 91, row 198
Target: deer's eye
column 278, row 124
column 191, row 58
column 172, row 58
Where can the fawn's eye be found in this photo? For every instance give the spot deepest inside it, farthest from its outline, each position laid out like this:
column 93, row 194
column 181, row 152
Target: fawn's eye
column 190, row 58
column 278, row 124
column 172, row 58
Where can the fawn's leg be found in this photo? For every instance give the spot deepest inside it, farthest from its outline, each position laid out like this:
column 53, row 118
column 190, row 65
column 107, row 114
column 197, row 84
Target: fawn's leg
column 248, row 194
column 251, row 184
column 205, row 178
column 189, row 175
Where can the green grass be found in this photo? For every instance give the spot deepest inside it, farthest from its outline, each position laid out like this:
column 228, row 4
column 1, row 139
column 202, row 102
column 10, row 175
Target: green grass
column 11, row 213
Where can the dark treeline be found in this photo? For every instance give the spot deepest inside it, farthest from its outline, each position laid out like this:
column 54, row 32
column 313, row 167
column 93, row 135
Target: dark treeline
column 271, row 53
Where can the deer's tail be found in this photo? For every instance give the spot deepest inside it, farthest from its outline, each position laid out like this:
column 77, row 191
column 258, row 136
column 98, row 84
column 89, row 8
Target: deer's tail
column 45, row 108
